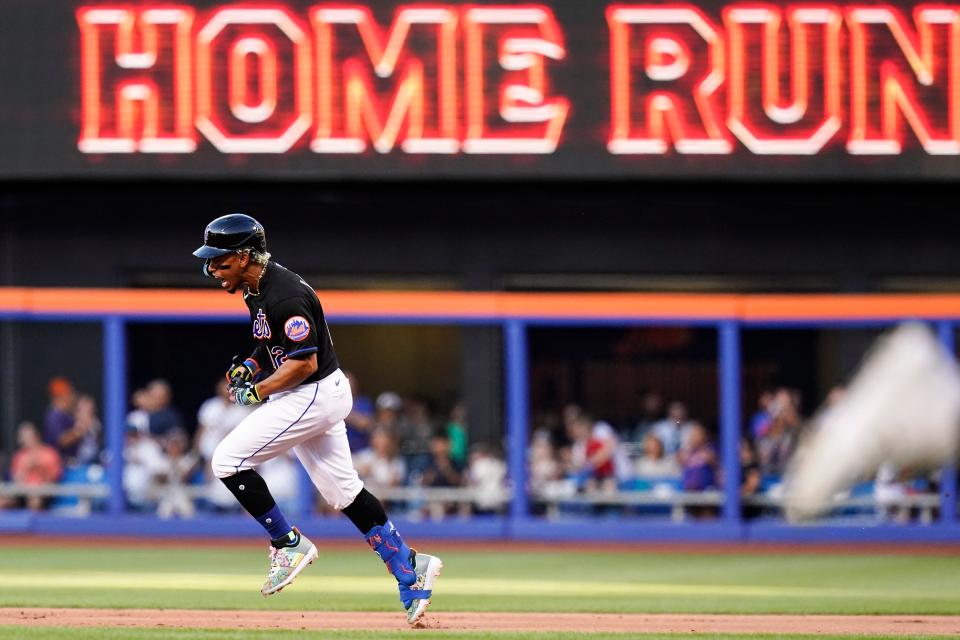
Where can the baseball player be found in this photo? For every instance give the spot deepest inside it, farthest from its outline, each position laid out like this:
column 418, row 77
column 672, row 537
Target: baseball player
column 302, row 398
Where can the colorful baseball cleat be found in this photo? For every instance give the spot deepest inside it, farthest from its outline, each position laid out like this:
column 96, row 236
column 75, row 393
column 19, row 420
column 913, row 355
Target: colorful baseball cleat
column 287, row 562
column 416, row 597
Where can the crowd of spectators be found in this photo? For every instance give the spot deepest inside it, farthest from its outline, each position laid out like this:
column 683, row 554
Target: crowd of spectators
column 667, row 451
column 403, row 448
column 395, row 441
column 69, row 438
column 400, row 445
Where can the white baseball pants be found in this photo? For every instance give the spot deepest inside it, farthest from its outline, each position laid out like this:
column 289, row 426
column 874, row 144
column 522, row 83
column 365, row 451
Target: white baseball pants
column 308, row 419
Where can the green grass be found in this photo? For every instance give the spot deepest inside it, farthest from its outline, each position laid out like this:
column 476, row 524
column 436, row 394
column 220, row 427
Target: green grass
column 488, row 581
column 65, row 633
column 584, row 581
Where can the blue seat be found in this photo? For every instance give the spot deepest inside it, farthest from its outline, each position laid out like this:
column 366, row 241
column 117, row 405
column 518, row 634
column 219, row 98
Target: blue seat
column 859, row 490
column 77, row 474
column 651, row 483
column 770, row 480
column 635, row 484
column 862, row 489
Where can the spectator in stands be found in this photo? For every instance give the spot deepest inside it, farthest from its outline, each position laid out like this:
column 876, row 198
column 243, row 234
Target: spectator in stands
column 441, row 471
column 282, row 475
column 672, row 429
column 162, row 415
column 889, row 489
column 138, row 419
column 457, row 433
column 387, row 415
column 142, row 459
column 594, row 454
column 416, row 429
column 574, row 457
column 34, row 464
column 699, row 461
column 360, row 421
column 549, row 422
column 893, row 489
column 380, row 466
column 171, row 478
column 654, row 463
column 217, row 417
column 58, row 421
column 564, row 439
column 751, row 478
column 544, row 466
column 569, row 416
column 776, row 447
column 486, row 475
column 87, row 428
column 761, row 419
column 71, row 425
column 651, row 411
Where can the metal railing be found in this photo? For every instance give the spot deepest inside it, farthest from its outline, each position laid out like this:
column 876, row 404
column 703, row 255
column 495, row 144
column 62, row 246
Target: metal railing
column 66, row 490
column 462, row 499
column 678, row 502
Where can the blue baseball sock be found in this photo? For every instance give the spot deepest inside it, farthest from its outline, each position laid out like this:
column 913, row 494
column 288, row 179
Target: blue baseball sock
column 275, row 523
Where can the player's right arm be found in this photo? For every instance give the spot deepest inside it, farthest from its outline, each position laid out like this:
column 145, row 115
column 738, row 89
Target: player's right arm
column 289, row 375
column 299, row 343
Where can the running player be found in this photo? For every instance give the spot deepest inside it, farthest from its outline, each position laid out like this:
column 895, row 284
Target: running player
column 302, row 398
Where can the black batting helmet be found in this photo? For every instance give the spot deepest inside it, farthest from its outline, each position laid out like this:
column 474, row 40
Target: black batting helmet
column 233, row 232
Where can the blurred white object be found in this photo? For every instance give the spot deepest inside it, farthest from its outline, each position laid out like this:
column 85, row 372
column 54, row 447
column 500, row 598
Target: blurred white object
column 902, row 408
column 487, row 475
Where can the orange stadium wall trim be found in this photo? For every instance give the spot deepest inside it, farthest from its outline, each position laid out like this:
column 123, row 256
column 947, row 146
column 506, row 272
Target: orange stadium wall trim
column 490, row 306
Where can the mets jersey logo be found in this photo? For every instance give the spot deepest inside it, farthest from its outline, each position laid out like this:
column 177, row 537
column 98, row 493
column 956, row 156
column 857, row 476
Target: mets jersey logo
column 297, row 328
column 261, row 328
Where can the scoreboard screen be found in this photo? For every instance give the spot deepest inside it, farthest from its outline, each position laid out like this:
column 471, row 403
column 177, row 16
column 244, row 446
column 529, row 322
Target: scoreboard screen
column 563, row 89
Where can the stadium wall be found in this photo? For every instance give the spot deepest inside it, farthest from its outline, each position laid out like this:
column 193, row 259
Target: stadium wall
column 514, row 313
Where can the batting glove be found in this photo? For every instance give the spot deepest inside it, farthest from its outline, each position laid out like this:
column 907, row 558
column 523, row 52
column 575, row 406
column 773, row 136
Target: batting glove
column 246, row 394
column 242, row 371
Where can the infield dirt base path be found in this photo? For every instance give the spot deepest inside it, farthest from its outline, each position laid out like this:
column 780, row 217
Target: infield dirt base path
column 449, row 621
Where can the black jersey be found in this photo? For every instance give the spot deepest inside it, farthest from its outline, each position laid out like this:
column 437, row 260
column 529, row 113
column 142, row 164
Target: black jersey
column 288, row 322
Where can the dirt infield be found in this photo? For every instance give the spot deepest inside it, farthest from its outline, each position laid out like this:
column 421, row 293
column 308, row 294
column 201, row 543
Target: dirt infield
column 570, row 622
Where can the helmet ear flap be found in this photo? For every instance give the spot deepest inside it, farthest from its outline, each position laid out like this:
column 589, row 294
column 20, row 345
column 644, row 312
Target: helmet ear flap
column 206, row 268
